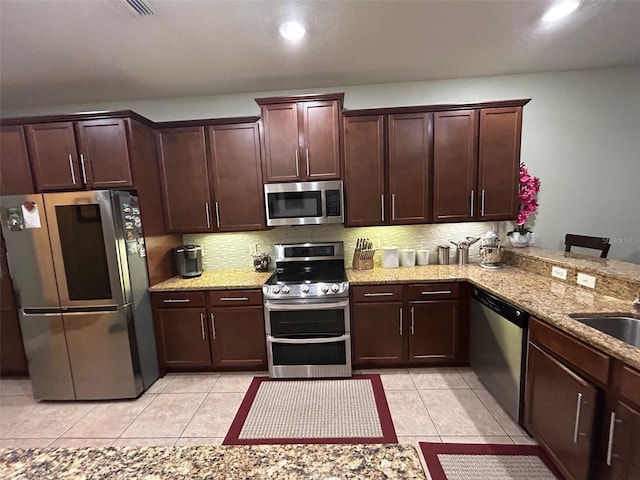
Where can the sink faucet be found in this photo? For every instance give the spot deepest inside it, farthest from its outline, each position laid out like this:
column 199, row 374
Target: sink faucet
column 636, row 303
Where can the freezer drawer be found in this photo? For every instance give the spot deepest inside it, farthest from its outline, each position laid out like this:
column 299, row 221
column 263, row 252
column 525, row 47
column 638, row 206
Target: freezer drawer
column 46, row 348
column 100, row 353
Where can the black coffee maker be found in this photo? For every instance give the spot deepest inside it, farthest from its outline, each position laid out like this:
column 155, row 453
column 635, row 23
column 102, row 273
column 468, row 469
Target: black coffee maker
column 189, row 260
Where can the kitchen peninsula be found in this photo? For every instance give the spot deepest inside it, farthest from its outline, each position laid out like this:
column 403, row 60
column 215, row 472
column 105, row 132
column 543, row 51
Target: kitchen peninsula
column 262, row 462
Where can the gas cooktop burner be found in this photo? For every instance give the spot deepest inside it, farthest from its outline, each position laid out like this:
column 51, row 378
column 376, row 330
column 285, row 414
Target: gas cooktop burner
column 309, row 270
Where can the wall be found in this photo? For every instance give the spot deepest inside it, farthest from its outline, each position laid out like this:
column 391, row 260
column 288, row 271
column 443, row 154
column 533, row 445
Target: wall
column 580, row 136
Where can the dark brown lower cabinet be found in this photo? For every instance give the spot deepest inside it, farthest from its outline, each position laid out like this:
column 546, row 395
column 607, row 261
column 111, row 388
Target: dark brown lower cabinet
column 620, row 452
column 238, row 337
column 433, row 331
column 378, row 333
column 623, row 454
column 412, row 325
column 218, row 330
column 13, row 360
column 560, row 412
column 183, row 337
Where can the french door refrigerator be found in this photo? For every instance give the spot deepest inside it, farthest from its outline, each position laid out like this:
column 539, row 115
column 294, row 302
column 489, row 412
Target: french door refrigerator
column 78, row 265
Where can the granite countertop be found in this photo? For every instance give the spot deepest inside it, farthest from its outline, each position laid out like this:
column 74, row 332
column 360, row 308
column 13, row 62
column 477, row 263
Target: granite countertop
column 584, row 263
column 544, row 297
column 256, row 462
column 215, row 280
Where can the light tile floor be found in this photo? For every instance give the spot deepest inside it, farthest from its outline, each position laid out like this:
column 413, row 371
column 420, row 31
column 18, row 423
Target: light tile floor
column 433, row 405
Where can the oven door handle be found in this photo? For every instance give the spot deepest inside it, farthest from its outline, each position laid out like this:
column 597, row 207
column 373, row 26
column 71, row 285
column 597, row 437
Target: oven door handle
column 309, row 306
column 304, row 341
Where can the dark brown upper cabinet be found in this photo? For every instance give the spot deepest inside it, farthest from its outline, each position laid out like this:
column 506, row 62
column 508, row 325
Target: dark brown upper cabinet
column 364, row 170
column 392, row 192
column 54, row 156
column 211, row 177
column 409, row 165
column 455, row 140
column 89, row 154
column 184, row 176
column 499, row 162
column 15, row 171
column 476, row 160
column 236, row 177
column 104, row 153
column 301, row 137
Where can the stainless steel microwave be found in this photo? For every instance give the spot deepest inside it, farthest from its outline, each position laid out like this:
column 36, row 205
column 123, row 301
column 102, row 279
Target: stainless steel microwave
column 304, row 203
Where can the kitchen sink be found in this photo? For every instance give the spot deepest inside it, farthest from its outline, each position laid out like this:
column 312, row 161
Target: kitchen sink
column 620, row 326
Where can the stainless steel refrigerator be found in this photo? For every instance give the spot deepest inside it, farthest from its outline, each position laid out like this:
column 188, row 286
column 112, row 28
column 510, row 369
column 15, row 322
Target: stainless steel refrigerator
column 78, row 265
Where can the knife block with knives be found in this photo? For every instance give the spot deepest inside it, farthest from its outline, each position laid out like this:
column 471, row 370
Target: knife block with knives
column 363, row 254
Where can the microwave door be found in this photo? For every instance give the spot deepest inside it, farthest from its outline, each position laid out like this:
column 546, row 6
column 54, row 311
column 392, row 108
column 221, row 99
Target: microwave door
column 84, row 244
column 26, row 236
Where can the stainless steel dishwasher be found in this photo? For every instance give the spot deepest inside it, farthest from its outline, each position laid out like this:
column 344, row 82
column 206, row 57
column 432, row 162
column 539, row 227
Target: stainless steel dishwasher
column 499, row 348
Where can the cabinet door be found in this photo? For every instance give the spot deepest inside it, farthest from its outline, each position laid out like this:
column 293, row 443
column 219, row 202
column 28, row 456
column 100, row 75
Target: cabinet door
column 183, row 338
column 237, row 177
column 455, row 138
column 321, row 133
column 52, row 149
column 238, row 338
column 182, row 157
column 560, row 410
column 499, row 162
column 623, row 459
column 15, row 171
column 378, row 333
column 104, row 155
column 409, row 168
column 433, row 332
column 364, row 170
column 13, row 360
column 282, row 161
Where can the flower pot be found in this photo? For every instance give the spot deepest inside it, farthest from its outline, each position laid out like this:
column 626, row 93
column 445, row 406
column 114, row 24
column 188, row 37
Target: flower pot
column 520, row 240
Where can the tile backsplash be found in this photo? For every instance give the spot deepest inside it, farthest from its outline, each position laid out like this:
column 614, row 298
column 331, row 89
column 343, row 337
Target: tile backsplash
column 235, row 250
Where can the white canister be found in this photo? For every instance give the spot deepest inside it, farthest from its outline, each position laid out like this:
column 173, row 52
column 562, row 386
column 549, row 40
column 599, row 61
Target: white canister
column 390, row 257
column 407, row 257
column 422, row 257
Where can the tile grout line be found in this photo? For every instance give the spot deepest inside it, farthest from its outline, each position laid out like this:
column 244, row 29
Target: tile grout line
column 492, row 414
column 425, row 407
column 194, row 413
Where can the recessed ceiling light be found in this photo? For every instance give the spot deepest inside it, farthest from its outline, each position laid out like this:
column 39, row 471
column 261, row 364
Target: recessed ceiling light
column 560, row 10
column 292, row 30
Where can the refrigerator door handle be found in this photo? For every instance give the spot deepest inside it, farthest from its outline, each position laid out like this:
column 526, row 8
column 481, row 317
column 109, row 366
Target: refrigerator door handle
column 41, row 311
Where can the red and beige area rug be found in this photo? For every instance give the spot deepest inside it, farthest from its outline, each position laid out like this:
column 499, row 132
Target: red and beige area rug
column 350, row 410
column 465, row 461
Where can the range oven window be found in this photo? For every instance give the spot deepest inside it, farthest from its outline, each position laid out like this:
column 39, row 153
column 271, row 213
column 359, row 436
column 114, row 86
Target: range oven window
column 307, row 323
column 295, row 204
column 333, row 353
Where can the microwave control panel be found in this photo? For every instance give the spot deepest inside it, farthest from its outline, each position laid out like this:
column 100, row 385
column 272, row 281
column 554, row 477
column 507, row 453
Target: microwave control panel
column 333, row 203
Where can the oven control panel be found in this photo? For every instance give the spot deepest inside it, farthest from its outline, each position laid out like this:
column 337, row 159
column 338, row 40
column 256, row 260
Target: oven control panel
column 306, row 290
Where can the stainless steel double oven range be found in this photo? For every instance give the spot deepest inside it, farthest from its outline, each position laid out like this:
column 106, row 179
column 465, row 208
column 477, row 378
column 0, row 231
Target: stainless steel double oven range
column 306, row 306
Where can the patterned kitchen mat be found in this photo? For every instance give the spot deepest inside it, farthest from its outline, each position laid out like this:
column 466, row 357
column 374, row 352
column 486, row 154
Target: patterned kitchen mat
column 466, row 461
column 350, row 410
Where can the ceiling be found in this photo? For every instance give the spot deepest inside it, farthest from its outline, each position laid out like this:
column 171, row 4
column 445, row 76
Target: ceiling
column 77, row 51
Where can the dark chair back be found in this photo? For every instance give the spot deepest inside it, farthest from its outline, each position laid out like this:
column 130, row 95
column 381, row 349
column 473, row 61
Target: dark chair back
column 596, row 243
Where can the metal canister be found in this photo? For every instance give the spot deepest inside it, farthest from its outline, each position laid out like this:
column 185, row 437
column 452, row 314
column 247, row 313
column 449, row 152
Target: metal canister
column 443, row 255
column 462, row 255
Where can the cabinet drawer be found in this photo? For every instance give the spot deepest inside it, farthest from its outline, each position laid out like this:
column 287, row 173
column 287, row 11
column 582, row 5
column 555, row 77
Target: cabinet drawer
column 630, row 385
column 433, row 291
column 177, row 299
column 577, row 353
column 235, row 298
column 376, row 293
